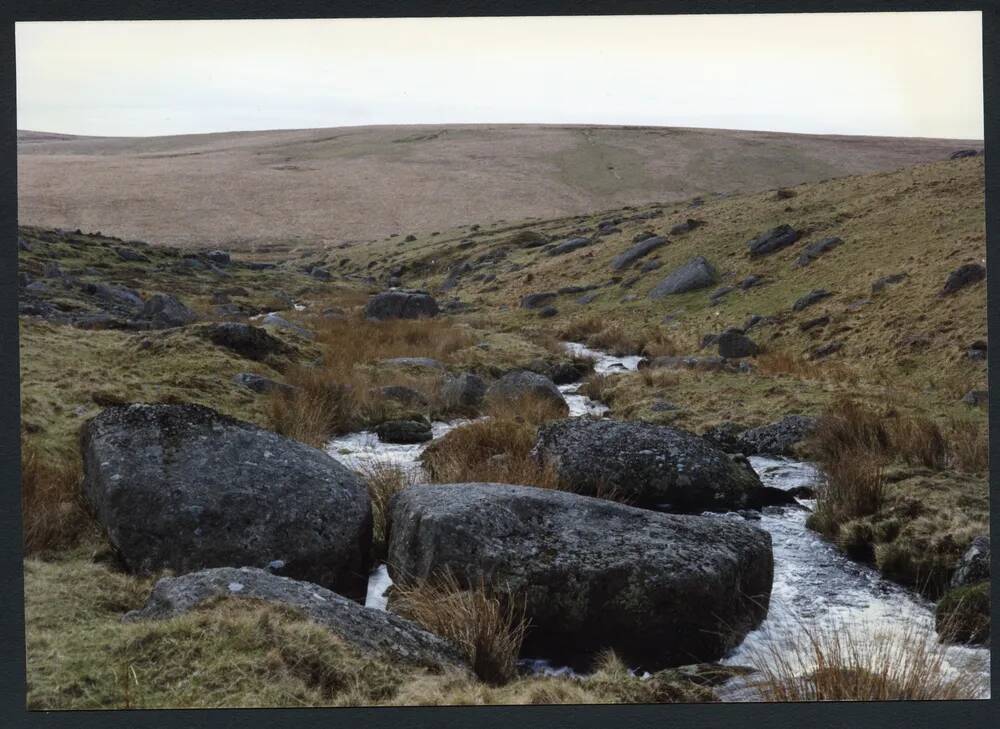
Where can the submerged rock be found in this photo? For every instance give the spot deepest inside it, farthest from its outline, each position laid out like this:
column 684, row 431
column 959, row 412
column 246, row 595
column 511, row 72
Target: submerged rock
column 367, row 629
column 659, row 589
column 648, row 465
column 404, row 431
column 183, row 487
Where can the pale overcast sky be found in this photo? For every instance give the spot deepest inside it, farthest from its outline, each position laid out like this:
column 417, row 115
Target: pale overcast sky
column 902, row 74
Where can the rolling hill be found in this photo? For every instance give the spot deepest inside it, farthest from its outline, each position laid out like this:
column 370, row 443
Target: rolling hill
column 278, row 190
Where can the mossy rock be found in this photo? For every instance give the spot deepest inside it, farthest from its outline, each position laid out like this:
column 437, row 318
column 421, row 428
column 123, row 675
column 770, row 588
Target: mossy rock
column 963, row 615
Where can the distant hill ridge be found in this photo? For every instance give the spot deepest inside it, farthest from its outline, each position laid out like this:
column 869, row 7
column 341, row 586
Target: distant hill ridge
column 324, row 186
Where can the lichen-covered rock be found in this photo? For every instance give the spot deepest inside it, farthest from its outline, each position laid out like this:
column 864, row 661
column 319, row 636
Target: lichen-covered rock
column 366, row 629
column 165, row 311
column 183, row 487
column 779, row 438
column 648, row 465
column 515, row 386
column 975, row 563
column 772, row 240
column 659, row 589
column 697, row 273
column 401, row 304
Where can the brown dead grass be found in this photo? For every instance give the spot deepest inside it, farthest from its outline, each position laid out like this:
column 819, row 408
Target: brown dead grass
column 52, row 506
column 969, row 445
column 861, row 662
column 492, row 450
column 384, row 480
column 486, row 623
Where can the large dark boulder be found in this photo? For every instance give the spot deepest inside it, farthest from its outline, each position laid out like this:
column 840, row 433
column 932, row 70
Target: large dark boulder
column 639, row 250
column 772, row 240
column 963, row 276
column 166, row 311
column 648, row 465
column 244, row 339
column 975, row 563
column 779, row 438
column 369, row 630
column 659, row 589
column 401, row 305
column 817, row 249
column 515, row 386
column 183, row 487
column 697, row 273
column 734, row 344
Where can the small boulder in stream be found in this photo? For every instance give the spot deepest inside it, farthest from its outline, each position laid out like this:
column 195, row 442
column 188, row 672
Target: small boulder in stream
column 648, row 465
column 520, row 384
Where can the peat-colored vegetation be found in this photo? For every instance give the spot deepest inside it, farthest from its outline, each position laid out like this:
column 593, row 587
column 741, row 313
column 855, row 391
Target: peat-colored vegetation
column 889, row 364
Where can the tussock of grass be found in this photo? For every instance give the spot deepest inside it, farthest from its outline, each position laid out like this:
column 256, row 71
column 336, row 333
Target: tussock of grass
column 492, row 450
column 485, row 623
column 969, row 445
column 54, row 514
column 384, row 480
column 860, row 662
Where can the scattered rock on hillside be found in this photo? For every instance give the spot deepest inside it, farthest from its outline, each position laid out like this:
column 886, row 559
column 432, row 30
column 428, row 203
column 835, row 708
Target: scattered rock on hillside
column 279, row 322
column 166, row 311
column 183, row 487
column 734, row 344
column 401, row 304
column 725, row 436
column 219, row 258
column 974, row 566
column 811, row 298
column 963, row 153
column 547, row 311
column 697, row 273
column 658, row 589
column 784, row 194
column 404, row 431
column 244, row 339
column 750, row 281
column 720, row 293
column 404, row 395
column 880, row 283
column 963, row 276
column 568, row 246
column 772, row 240
column 519, row 384
column 819, row 321
column 528, row 239
column 535, row 301
column 817, row 249
column 465, row 391
column 588, row 298
column 779, row 438
column 321, row 274
column 712, row 363
column 372, row 631
column 977, row 351
column 975, row 398
column 826, row 350
column 652, row 466
column 639, row 250
column 260, row 384
column 131, row 255
column 686, row 227
column 414, row 362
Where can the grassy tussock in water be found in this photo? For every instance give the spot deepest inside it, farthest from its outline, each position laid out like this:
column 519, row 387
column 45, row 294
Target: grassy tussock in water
column 384, row 480
column 861, row 662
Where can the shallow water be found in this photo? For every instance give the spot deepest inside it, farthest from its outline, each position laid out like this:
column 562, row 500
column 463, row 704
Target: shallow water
column 814, row 584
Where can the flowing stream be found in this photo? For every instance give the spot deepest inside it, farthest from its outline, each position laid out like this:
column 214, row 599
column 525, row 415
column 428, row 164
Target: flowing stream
column 815, row 586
